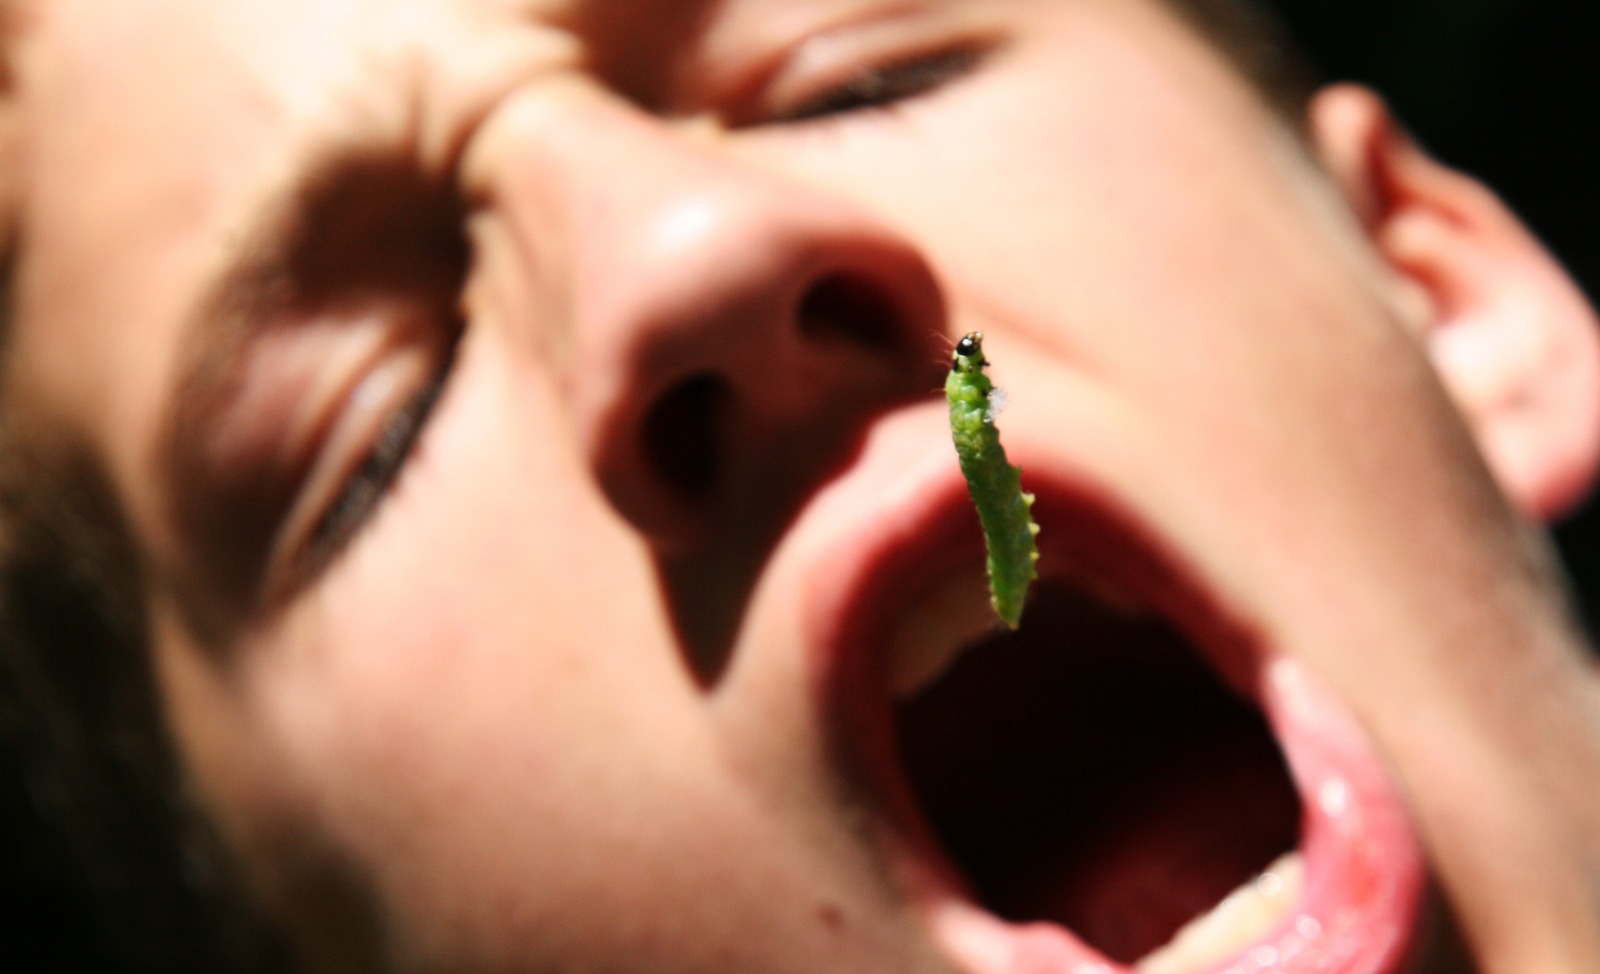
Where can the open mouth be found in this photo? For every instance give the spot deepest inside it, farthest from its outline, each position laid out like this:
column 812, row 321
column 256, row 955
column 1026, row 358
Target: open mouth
column 1127, row 782
column 1090, row 770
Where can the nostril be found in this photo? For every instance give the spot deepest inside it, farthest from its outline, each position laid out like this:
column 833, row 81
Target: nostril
column 850, row 308
column 681, row 437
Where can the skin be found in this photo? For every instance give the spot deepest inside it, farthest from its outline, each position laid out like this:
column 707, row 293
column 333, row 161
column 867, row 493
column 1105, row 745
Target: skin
column 1379, row 364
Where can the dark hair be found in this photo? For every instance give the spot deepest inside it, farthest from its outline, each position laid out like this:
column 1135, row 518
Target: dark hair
column 106, row 819
column 1252, row 37
column 106, row 812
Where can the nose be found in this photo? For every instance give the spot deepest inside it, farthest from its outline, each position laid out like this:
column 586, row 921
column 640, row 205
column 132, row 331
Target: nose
column 743, row 335
column 734, row 333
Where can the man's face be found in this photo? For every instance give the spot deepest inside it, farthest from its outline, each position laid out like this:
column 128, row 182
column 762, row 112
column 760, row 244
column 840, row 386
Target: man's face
column 529, row 415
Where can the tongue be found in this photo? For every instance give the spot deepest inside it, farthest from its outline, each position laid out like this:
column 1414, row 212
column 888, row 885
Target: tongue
column 1188, row 837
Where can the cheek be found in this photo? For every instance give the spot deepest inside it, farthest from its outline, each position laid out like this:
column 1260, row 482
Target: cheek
column 1125, row 188
column 1168, row 245
column 484, row 689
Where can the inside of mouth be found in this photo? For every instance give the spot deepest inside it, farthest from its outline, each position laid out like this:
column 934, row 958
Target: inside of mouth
column 1091, row 770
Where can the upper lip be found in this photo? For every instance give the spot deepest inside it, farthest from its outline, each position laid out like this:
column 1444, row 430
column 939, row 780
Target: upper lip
column 911, row 523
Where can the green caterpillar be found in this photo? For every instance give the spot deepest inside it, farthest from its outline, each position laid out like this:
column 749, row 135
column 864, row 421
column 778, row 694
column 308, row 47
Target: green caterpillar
column 996, row 486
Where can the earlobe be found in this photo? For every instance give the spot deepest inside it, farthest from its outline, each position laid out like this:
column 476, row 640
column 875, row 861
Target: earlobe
column 1512, row 337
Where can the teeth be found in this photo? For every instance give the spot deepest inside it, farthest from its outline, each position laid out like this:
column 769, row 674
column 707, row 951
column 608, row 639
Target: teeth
column 1243, row 918
column 951, row 616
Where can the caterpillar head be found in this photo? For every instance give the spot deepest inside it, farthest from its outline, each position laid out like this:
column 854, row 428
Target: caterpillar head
column 968, row 356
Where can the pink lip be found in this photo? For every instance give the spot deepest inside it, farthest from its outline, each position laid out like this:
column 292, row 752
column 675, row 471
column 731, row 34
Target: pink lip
column 1365, row 877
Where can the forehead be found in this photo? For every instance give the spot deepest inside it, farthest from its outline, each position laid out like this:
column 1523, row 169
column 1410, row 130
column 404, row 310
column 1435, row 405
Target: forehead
column 296, row 55
column 242, row 81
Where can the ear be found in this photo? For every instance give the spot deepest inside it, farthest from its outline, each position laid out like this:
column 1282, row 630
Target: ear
column 1512, row 337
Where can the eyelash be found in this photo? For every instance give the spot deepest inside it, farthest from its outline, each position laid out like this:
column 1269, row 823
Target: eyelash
column 884, row 86
column 364, row 490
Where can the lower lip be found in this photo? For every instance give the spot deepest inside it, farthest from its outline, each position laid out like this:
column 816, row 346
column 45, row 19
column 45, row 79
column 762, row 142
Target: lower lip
column 1364, row 872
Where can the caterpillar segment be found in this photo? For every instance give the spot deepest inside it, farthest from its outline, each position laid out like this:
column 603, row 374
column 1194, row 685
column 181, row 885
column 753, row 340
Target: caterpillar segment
column 1004, row 509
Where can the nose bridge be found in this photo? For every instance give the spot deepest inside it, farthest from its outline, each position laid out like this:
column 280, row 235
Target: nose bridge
column 676, row 254
column 700, row 260
column 700, row 266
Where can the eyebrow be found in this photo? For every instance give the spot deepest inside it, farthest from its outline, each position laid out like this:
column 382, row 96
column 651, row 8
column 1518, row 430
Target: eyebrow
column 358, row 222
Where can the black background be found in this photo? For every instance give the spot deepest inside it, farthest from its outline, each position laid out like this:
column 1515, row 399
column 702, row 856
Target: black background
column 1508, row 90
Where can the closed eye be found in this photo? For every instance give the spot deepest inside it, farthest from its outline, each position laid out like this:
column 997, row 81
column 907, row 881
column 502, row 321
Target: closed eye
column 887, row 85
column 314, row 363
column 393, row 243
column 366, row 486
